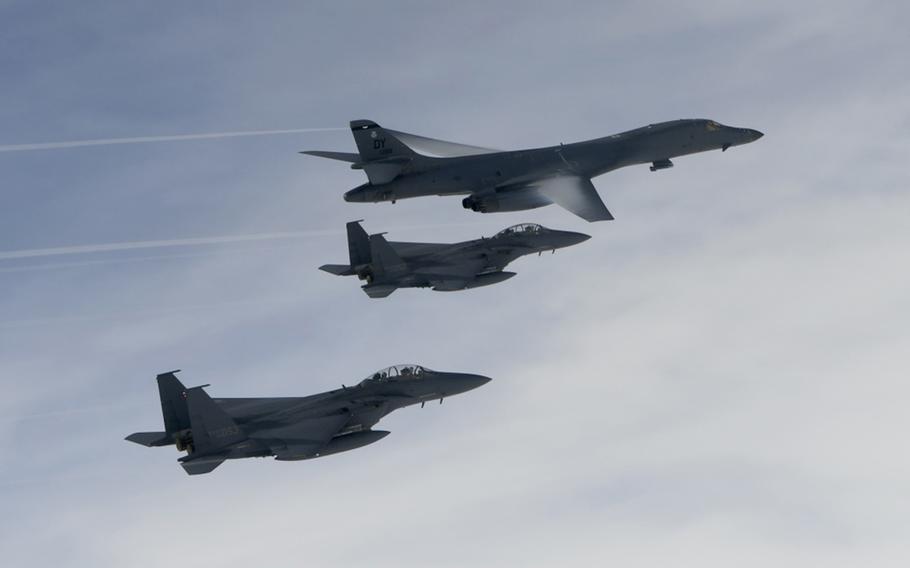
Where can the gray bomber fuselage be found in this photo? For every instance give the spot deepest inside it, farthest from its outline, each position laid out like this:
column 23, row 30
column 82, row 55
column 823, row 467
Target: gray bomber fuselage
column 467, row 175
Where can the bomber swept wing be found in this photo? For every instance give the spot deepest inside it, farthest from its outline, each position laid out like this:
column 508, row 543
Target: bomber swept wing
column 575, row 194
column 441, row 148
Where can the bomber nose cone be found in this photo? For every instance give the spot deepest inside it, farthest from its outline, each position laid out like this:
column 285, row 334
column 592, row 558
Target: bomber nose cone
column 353, row 195
column 755, row 134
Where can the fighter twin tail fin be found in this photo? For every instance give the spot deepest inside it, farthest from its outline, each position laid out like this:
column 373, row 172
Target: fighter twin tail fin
column 195, row 423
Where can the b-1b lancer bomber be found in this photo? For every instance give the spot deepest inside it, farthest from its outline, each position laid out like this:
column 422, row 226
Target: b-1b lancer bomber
column 212, row 430
column 387, row 266
column 495, row 180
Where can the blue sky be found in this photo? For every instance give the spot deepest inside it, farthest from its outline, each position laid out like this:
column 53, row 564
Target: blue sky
column 718, row 376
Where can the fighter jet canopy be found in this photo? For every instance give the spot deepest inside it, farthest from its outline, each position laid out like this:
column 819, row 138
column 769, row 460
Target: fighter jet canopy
column 396, row 373
column 521, row 229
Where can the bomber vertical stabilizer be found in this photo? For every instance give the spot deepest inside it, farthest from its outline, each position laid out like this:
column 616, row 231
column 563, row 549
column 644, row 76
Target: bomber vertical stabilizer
column 383, row 156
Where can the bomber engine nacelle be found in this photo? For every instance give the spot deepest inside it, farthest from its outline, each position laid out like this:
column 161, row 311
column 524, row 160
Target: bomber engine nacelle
column 518, row 200
column 660, row 165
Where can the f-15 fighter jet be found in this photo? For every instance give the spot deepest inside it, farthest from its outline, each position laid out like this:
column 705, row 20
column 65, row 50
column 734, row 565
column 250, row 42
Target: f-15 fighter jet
column 387, row 266
column 212, row 430
column 494, row 180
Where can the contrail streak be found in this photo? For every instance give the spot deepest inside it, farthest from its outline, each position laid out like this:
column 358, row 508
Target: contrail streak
column 145, row 139
column 133, row 245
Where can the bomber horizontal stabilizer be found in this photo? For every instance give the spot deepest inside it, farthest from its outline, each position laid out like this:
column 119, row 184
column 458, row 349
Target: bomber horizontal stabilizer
column 341, row 156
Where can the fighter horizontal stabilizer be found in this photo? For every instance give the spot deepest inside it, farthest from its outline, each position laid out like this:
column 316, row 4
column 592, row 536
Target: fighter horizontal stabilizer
column 338, row 269
column 576, row 194
column 379, row 290
column 197, row 466
column 340, row 156
column 150, row 439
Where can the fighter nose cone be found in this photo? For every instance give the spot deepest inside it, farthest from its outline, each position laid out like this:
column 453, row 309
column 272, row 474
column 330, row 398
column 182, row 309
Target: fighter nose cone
column 471, row 382
column 576, row 238
column 568, row 238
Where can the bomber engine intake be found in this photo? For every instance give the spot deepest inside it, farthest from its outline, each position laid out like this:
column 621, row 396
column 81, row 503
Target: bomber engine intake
column 505, row 201
column 660, row 165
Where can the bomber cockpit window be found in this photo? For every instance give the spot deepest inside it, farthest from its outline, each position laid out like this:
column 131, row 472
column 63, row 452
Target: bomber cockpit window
column 522, row 229
column 396, row 373
column 712, row 126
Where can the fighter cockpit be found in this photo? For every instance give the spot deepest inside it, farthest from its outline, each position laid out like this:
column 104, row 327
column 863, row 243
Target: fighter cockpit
column 521, row 229
column 396, row 373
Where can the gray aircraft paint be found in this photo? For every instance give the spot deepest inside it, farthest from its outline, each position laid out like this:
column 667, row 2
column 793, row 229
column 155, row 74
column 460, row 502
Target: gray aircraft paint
column 387, row 266
column 291, row 428
column 521, row 179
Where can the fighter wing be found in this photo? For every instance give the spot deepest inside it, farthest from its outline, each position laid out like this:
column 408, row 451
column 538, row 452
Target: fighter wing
column 576, row 194
column 453, row 277
column 303, row 438
column 456, row 268
column 441, row 148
